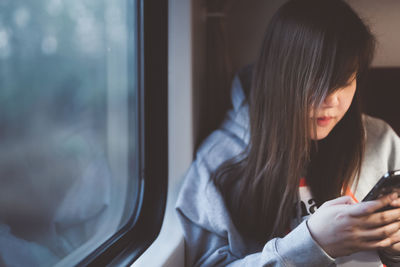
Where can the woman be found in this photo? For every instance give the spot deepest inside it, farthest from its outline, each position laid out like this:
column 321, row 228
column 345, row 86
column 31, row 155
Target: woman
column 296, row 147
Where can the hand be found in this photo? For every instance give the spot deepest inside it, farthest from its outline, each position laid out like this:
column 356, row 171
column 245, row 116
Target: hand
column 393, row 249
column 341, row 227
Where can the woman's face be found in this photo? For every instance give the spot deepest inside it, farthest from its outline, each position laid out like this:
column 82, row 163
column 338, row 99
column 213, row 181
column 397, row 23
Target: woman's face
column 332, row 109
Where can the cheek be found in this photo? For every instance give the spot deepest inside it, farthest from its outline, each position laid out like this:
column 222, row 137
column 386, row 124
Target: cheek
column 347, row 100
column 346, row 106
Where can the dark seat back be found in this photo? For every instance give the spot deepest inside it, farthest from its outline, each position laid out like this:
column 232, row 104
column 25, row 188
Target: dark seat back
column 381, row 95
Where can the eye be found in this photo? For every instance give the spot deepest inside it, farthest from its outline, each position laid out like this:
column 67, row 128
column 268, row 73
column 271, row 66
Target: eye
column 347, row 85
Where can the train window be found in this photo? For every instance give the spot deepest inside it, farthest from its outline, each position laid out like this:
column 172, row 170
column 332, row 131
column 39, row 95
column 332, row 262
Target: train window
column 76, row 130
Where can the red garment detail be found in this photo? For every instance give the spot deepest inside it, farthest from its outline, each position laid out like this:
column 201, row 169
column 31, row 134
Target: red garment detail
column 349, row 193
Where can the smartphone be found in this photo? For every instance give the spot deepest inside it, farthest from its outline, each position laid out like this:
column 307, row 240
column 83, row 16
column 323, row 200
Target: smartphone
column 389, row 183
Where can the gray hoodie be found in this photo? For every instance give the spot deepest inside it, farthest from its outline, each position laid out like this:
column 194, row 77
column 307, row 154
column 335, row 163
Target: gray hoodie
column 211, row 238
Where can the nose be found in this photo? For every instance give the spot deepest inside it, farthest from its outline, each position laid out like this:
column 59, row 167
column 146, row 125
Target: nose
column 331, row 100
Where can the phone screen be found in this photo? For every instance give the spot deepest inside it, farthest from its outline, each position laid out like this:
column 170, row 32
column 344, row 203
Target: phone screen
column 388, row 184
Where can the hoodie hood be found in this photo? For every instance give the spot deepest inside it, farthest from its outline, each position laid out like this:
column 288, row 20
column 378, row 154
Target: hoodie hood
column 236, row 121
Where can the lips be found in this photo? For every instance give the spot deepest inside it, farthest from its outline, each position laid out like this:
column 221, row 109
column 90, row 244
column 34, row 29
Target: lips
column 323, row 121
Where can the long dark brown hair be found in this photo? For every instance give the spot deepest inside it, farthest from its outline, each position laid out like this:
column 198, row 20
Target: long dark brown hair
column 311, row 48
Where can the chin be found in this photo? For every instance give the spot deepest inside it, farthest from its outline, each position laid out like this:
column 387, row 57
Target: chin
column 321, row 135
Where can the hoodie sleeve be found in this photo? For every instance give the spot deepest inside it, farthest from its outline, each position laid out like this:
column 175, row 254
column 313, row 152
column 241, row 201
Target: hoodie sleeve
column 210, row 236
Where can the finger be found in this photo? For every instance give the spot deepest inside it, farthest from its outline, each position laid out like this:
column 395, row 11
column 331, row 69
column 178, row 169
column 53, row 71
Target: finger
column 368, row 207
column 395, row 203
column 339, row 200
column 381, row 218
column 380, row 232
column 392, row 242
column 396, row 239
column 396, row 246
column 378, row 244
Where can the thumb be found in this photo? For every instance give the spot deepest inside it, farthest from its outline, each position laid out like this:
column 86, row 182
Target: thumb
column 340, row 200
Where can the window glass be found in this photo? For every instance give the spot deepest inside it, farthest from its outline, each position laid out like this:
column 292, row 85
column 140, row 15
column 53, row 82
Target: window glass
column 67, row 127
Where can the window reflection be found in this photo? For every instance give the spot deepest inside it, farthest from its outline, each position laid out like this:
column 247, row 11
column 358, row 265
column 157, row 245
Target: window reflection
column 63, row 127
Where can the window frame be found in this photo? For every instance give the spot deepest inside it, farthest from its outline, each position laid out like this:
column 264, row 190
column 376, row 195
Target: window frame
column 151, row 33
